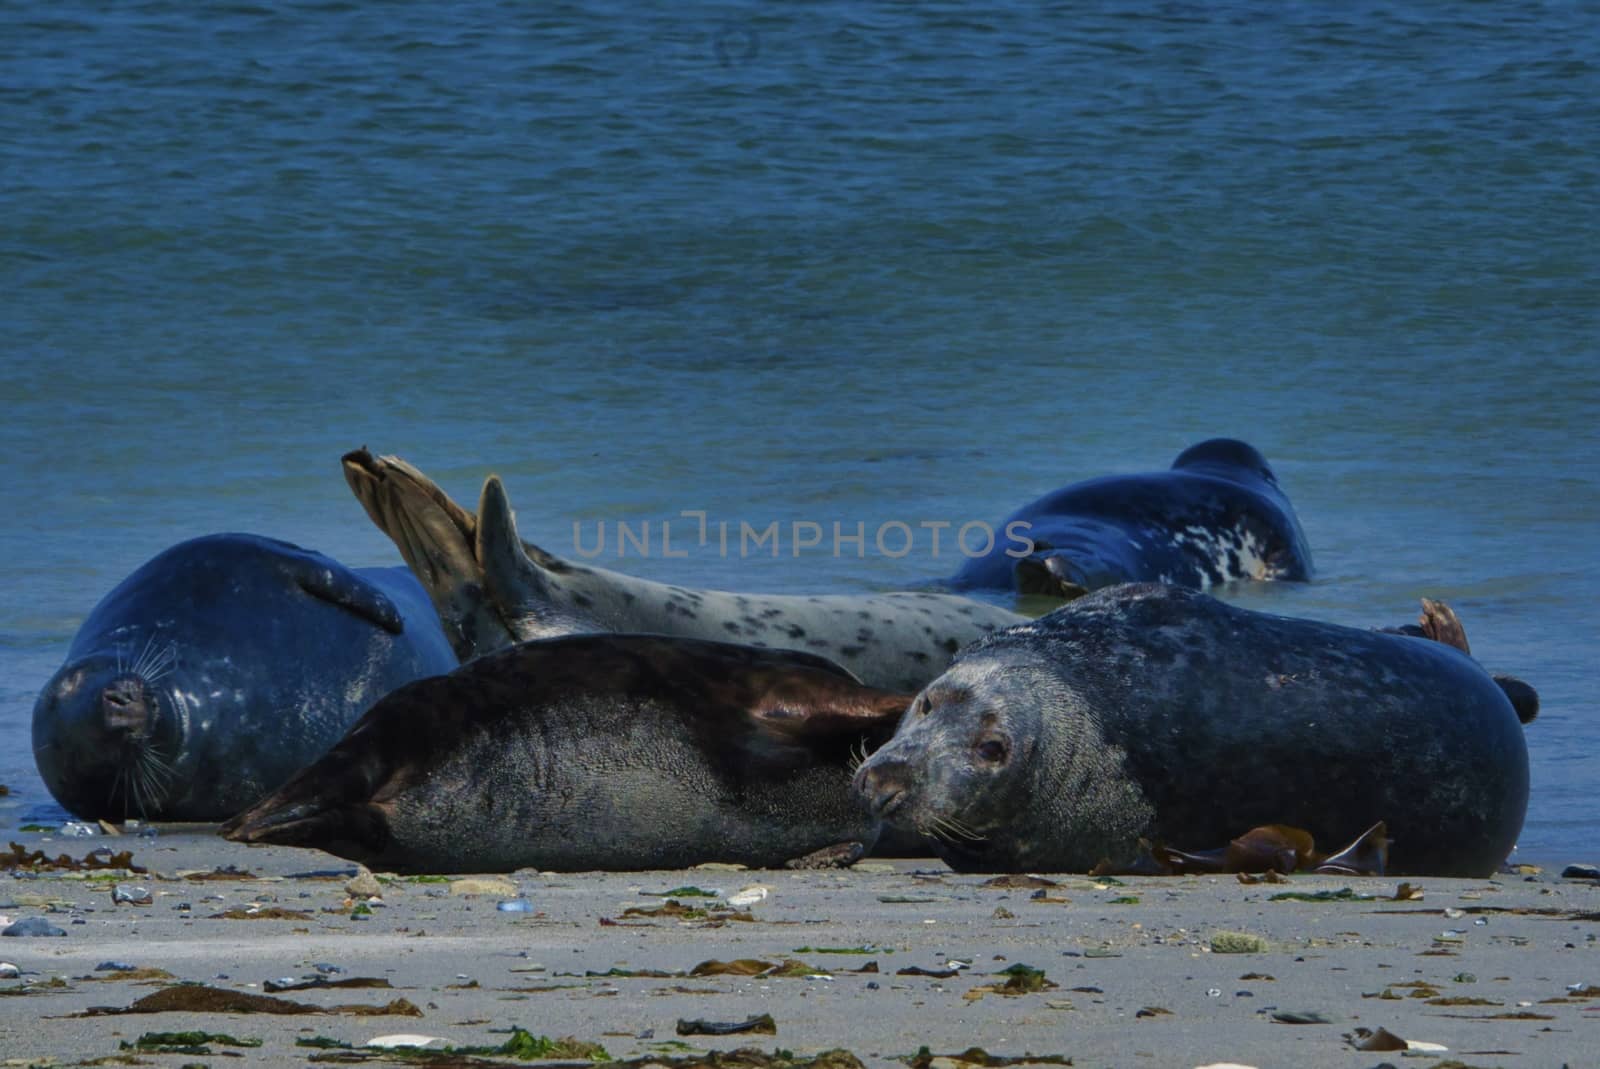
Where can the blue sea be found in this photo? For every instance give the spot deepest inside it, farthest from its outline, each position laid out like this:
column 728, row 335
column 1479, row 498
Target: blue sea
column 822, row 262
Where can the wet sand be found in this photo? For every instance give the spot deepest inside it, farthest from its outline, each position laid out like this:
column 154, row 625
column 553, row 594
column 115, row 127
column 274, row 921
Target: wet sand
column 1482, row 968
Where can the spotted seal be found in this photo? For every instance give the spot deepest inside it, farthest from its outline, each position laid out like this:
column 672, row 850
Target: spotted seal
column 596, row 751
column 1217, row 515
column 1147, row 711
column 220, row 668
column 492, row 589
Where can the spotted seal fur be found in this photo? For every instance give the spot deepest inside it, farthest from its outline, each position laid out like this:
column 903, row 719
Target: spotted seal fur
column 492, row 589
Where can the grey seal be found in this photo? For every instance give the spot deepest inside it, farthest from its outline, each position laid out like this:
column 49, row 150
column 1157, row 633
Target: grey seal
column 594, row 752
column 1147, row 711
column 218, row 669
column 1217, row 515
column 492, row 589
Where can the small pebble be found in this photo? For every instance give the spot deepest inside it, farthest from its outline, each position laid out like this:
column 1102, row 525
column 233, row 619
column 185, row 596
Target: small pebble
column 130, row 895
column 500, row 888
column 33, row 926
column 9, row 971
column 1581, row 872
column 78, row 829
column 114, row 966
column 325, row 968
column 415, row 1042
column 515, row 905
column 747, row 896
column 363, row 885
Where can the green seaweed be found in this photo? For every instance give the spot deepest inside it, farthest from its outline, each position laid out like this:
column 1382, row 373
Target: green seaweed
column 185, row 1042
column 1023, row 979
column 525, row 1046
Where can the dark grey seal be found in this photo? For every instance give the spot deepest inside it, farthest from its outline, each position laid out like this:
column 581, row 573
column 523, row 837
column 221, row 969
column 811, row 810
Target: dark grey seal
column 1218, row 515
column 219, row 669
column 1146, row 711
column 594, row 752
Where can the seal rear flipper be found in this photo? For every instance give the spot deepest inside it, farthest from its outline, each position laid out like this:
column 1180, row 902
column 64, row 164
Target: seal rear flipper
column 516, row 574
column 338, row 803
column 437, row 539
column 355, row 830
column 1440, row 623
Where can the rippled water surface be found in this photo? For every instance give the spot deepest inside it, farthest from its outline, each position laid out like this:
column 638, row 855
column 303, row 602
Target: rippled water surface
column 831, row 262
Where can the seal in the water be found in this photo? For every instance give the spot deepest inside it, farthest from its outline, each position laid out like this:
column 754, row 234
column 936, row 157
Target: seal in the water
column 1218, row 515
column 220, row 668
column 491, row 589
column 593, row 752
column 1146, row 711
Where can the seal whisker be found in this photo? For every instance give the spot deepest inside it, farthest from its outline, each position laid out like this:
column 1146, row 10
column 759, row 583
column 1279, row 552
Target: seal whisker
column 140, row 662
column 161, row 663
column 957, row 827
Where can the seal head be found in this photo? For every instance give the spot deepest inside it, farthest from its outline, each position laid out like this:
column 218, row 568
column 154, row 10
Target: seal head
column 219, row 668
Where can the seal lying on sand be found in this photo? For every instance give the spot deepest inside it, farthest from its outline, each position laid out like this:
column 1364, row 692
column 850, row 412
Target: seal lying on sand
column 1146, row 711
column 1216, row 516
column 219, row 669
column 491, row 589
column 593, row 752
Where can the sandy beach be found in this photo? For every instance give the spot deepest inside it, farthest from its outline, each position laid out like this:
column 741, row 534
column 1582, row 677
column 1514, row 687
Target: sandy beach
column 1136, row 972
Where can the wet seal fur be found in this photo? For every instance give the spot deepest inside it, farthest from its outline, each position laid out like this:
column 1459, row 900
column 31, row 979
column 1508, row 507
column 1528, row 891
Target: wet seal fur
column 1145, row 711
column 1216, row 516
column 492, row 589
column 220, row 668
column 594, row 752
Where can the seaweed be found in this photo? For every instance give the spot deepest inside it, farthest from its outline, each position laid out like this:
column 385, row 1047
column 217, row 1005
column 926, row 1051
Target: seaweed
column 37, row 861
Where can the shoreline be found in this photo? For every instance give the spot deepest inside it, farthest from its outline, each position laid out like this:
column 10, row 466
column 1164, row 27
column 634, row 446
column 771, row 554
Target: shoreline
column 1130, row 973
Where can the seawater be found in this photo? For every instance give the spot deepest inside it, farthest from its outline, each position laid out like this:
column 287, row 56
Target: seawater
column 834, row 262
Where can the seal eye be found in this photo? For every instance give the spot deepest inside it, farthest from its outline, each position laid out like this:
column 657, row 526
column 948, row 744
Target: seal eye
column 992, row 751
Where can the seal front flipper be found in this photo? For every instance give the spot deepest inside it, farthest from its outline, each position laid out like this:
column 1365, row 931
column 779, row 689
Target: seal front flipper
column 813, row 709
column 436, row 537
column 1367, row 856
column 334, row 583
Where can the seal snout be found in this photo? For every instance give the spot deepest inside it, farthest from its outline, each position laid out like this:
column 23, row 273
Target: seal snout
column 126, row 707
column 884, row 786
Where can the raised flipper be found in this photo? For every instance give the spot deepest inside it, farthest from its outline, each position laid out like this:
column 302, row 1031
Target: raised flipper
column 1440, row 623
column 437, row 539
column 516, row 575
